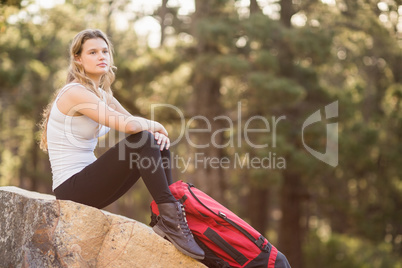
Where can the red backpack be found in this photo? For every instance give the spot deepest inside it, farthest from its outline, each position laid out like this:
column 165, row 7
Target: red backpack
column 227, row 240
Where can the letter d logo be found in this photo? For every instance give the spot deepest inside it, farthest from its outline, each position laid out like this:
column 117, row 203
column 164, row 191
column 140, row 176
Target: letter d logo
column 331, row 151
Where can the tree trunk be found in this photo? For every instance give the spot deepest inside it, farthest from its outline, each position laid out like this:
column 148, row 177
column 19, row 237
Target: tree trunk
column 258, row 208
column 254, row 7
column 206, row 103
column 287, row 11
column 108, row 17
column 35, row 156
column 290, row 230
column 162, row 15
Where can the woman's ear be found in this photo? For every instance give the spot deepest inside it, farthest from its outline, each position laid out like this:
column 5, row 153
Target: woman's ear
column 77, row 58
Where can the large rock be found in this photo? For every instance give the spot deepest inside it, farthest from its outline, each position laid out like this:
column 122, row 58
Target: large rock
column 38, row 231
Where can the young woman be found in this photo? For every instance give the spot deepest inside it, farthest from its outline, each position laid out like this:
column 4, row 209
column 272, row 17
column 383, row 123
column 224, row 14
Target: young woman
column 85, row 109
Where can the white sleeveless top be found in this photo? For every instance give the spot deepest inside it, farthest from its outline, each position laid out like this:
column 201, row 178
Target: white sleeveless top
column 71, row 140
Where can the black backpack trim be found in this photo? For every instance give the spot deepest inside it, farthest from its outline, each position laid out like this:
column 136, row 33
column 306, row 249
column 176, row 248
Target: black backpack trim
column 225, row 246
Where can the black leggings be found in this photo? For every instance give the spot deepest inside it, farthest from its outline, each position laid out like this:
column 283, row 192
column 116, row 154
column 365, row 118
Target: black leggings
column 112, row 174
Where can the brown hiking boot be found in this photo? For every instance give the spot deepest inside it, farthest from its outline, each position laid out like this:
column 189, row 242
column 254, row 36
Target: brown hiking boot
column 172, row 224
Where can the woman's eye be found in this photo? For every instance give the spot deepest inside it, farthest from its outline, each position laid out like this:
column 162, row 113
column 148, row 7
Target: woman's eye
column 106, row 51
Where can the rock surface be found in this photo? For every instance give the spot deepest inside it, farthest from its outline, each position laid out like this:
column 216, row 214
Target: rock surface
column 38, row 231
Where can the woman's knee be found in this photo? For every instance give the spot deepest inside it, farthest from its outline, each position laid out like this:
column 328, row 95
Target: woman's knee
column 136, row 137
column 142, row 139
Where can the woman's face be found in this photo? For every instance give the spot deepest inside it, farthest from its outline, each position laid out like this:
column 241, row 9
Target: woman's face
column 95, row 58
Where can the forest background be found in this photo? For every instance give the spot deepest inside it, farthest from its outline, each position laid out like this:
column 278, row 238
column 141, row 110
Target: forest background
column 241, row 78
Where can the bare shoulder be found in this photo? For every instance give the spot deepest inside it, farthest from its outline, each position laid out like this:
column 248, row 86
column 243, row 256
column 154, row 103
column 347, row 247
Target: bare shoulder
column 74, row 96
column 79, row 92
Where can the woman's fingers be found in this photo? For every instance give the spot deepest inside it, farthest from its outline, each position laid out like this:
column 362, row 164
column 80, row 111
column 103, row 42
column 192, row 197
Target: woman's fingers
column 162, row 140
column 158, row 137
column 167, row 143
column 160, row 134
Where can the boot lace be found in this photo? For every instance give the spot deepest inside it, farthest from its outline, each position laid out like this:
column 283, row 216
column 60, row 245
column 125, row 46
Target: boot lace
column 183, row 221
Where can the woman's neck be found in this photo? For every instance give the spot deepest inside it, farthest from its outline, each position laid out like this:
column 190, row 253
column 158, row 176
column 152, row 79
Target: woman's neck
column 76, row 81
column 96, row 80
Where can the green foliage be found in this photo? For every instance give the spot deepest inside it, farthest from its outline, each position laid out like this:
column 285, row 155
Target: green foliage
column 219, row 66
column 215, row 31
column 311, row 44
column 339, row 251
column 262, row 30
column 269, row 89
column 16, row 3
column 263, row 60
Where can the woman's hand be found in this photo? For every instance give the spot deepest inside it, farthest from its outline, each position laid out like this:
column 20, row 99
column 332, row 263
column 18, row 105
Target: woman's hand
column 160, row 133
column 162, row 140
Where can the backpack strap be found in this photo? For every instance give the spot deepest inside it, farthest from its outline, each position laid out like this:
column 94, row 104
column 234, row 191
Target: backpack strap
column 272, row 257
column 259, row 242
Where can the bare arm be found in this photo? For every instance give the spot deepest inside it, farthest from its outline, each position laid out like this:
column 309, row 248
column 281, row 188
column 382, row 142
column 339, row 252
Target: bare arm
column 162, row 140
column 115, row 104
column 86, row 103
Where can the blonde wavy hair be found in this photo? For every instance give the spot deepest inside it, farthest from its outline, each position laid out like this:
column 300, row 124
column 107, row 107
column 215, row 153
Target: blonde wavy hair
column 77, row 73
